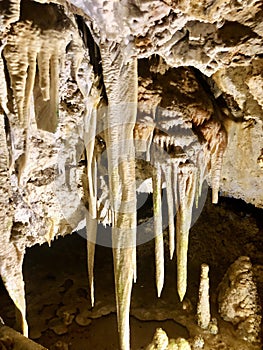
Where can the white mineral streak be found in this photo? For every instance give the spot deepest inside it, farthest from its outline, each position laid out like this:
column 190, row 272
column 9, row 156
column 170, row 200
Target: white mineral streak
column 121, row 81
column 170, row 201
column 203, row 306
column 158, row 231
column 11, row 256
column 186, row 187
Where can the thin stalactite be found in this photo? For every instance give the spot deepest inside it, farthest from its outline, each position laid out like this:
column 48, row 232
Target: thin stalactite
column 170, row 202
column 158, row 231
column 90, row 125
column 186, row 189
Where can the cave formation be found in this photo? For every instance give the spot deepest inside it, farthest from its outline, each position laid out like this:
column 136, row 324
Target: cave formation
column 104, row 104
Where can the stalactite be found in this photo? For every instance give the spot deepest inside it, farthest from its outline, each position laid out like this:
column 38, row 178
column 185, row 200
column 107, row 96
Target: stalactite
column 91, row 227
column 90, row 125
column 20, row 52
column 50, row 58
column 25, row 46
column 175, row 183
column 170, row 201
column 44, row 78
column 186, row 186
column 158, row 230
column 121, row 81
column 216, row 138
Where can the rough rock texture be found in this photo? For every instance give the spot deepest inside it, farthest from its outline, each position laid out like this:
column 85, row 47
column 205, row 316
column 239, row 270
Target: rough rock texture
column 238, row 300
column 10, row 339
column 161, row 342
column 69, row 92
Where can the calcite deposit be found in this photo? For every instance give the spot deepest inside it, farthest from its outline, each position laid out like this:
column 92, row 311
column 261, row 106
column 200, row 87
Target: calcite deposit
column 238, row 300
column 100, row 100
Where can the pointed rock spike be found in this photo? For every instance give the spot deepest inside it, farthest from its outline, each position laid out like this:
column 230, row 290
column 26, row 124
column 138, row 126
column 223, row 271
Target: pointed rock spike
column 91, row 227
column 186, row 185
column 14, row 283
column 158, row 232
column 123, row 275
column 121, row 83
column 170, row 202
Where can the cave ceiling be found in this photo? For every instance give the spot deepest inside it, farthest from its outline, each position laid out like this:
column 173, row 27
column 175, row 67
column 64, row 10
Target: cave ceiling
column 102, row 100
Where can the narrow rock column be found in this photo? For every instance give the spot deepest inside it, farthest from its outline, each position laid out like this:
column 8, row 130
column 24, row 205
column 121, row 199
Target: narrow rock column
column 121, row 79
column 203, row 306
column 186, row 186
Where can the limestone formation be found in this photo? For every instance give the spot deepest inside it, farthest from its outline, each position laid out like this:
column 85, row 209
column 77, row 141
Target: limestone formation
column 238, row 300
column 87, row 87
column 203, row 307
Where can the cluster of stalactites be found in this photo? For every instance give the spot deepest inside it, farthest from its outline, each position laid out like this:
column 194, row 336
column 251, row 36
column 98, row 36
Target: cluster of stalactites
column 33, row 59
column 183, row 175
column 180, row 178
column 27, row 53
column 120, row 79
column 28, row 48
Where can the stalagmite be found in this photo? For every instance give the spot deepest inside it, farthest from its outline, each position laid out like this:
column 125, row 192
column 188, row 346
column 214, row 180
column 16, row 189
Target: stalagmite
column 203, row 306
column 186, row 186
column 158, row 231
column 121, row 81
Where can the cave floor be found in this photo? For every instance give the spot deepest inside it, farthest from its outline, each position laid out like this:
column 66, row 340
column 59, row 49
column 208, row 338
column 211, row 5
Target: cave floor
column 57, row 292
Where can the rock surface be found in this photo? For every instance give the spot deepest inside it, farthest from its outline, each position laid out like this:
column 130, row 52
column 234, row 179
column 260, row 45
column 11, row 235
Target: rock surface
column 238, row 300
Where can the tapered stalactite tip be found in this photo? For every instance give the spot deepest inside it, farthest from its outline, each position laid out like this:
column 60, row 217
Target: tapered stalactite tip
column 181, row 288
